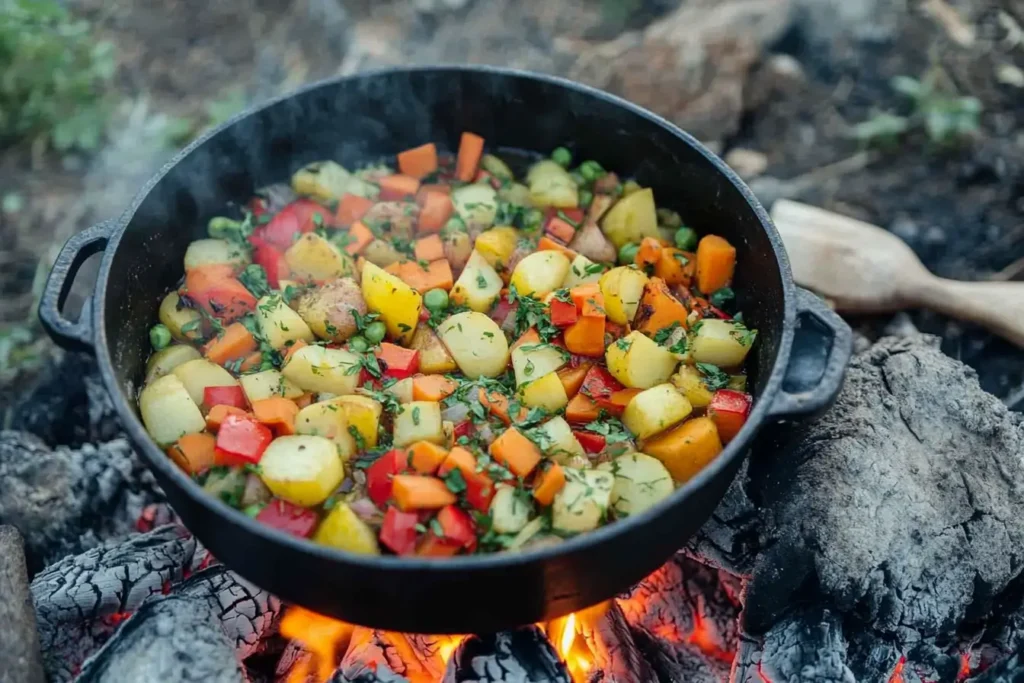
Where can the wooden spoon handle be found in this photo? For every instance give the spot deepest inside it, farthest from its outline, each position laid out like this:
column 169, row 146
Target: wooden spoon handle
column 999, row 306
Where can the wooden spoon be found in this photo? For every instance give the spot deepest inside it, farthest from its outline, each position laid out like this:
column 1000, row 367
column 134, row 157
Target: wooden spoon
column 865, row 269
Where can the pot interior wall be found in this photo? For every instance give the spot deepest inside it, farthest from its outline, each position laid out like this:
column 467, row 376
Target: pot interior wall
column 363, row 119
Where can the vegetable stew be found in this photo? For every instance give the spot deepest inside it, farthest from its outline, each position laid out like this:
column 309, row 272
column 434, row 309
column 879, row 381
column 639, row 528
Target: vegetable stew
column 436, row 356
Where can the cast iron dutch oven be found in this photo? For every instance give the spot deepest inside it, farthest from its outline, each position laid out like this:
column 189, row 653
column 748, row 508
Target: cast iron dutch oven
column 796, row 368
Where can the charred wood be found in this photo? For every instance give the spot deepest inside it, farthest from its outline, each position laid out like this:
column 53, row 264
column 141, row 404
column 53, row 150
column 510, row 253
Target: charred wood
column 805, row 647
column 524, row 655
column 19, row 640
column 616, row 658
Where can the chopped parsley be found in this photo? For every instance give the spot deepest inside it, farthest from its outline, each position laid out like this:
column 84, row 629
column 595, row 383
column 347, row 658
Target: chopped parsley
column 416, row 416
column 254, row 278
column 611, row 429
column 743, row 335
column 714, row 377
column 358, row 437
column 531, row 312
column 624, row 344
column 722, row 297
column 454, row 480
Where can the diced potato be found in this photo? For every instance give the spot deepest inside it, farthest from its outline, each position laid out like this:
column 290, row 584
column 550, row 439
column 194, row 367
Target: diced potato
column 314, row 258
column 631, row 219
column 327, row 180
column 268, row 384
column 227, row 485
column 546, row 392
column 640, row 482
column 434, row 357
column 654, row 410
column 449, row 433
column 165, row 360
column 533, row 361
column 479, row 284
column 559, row 443
column 582, row 502
column 721, row 342
column 398, row 304
column 510, row 510
column 279, row 324
column 496, row 167
column 318, row 368
column 476, row 205
column 581, row 271
column 363, row 413
column 690, row 384
column 496, row 246
column 382, row 253
column 457, row 245
column 418, row 421
column 622, row 288
column 200, row 373
column 515, row 193
column 638, row 362
column 328, row 309
column 540, row 273
column 402, row 390
column 476, row 343
column 168, row 411
column 329, row 420
column 183, row 323
column 208, row 252
column 551, row 185
column 343, row 529
column 301, row 469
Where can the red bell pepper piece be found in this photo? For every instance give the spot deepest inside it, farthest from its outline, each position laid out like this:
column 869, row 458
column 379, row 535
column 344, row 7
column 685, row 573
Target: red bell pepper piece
column 433, row 546
column 502, row 310
column 574, row 216
column 464, row 428
column 729, row 410
column 591, row 442
column 296, row 218
column 457, row 526
column 719, row 313
column 380, row 473
column 257, row 206
column 599, row 384
column 398, row 362
column 563, row 314
column 398, row 532
column 290, row 518
column 224, row 396
column 271, row 259
column 241, row 440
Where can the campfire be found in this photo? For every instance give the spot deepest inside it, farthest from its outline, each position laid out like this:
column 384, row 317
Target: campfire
column 877, row 544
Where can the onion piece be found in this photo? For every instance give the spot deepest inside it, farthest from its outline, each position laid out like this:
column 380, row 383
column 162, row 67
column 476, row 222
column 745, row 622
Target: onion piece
column 455, row 413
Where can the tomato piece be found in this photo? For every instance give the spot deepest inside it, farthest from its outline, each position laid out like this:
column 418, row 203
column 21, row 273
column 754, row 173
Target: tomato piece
column 591, row 442
column 398, row 532
column 290, row 518
column 224, row 396
column 379, row 475
column 563, row 314
column 432, row 546
column 398, row 362
column 241, row 440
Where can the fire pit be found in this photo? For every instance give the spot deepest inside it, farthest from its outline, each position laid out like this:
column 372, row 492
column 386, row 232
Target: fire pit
column 880, row 543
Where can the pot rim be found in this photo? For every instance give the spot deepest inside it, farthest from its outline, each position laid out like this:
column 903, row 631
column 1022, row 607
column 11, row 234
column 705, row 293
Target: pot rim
column 736, row 448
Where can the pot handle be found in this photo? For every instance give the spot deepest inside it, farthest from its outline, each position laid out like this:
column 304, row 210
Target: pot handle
column 75, row 335
column 821, row 349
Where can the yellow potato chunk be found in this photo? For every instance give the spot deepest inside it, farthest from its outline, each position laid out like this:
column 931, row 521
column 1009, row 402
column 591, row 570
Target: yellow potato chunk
column 654, row 410
column 547, row 392
column 279, row 324
column 267, row 384
column 318, row 368
column 397, row 303
column 343, row 529
column 478, row 285
column 327, row 419
column 533, row 361
column 200, row 373
column 301, row 469
column 540, row 273
column 622, row 288
column 168, row 411
column 418, row 421
column 314, row 258
column 476, row 343
column 631, row 219
column 638, row 362
column 582, row 502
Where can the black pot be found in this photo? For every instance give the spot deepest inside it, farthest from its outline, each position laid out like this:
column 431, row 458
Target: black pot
column 796, row 368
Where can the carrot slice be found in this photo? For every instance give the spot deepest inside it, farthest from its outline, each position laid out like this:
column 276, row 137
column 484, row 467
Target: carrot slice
column 426, row 457
column 398, row 186
column 498, row 406
column 194, row 453
column 252, row 361
column 418, row 161
column 516, row 452
column 550, row 244
column 572, row 378
column 278, row 413
column 676, row 267
column 471, row 148
column 218, row 413
column 435, row 275
column 305, row 400
column 560, row 229
column 658, row 308
column 429, row 248
column 432, row 387
column 358, row 237
column 417, row 492
column 421, row 195
column 296, row 345
column 437, row 209
column 235, row 342
column 585, row 337
column 582, row 409
column 548, row 484
column 351, row 208
column 529, row 337
column 648, row 254
column 716, row 260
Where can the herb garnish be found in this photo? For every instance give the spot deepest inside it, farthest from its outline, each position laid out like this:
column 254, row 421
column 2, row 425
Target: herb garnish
column 714, row 377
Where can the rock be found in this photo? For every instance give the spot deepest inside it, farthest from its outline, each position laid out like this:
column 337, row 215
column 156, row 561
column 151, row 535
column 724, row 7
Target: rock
column 748, row 163
column 19, row 639
column 901, row 325
column 905, row 228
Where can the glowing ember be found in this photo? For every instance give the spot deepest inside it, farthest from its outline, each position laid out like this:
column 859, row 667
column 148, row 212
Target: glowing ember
column 897, row 673
column 321, row 636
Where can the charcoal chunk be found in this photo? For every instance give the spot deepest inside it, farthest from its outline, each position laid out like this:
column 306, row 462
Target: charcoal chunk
column 524, row 655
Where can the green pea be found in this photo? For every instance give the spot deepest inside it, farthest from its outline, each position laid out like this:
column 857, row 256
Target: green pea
column 359, row 344
column 562, row 157
column 159, row 336
column 627, row 253
column 254, row 509
column 533, row 219
column 375, row 332
column 686, row 238
column 591, row 170
column 585, row 197
column 224, row 228
column 436, row 300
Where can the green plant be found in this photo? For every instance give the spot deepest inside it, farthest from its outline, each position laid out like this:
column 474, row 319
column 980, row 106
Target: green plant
column 946, row 118
column 54, row 76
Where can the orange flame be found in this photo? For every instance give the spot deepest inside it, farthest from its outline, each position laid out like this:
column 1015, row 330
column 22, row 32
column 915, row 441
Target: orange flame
column 322, row 637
